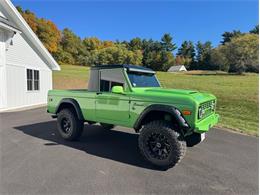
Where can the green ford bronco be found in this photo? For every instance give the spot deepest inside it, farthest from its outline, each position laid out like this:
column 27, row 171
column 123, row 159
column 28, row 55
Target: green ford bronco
column 168, row 120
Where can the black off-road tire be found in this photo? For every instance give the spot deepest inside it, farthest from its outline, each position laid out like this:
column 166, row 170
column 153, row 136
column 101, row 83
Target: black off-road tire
column 172, row 141
column 107, row 126
column 75, row 125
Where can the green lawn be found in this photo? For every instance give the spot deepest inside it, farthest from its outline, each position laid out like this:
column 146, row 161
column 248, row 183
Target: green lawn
column 237, row 95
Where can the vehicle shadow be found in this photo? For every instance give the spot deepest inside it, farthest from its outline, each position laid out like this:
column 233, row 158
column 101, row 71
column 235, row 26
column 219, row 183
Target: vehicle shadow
column 110, row 144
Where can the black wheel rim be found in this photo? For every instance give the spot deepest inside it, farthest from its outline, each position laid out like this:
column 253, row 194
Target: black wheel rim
column 158, row 146
column 66, row 125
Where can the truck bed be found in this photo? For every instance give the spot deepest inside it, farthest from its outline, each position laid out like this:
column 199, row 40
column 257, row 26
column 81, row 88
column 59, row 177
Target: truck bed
column 82, row 96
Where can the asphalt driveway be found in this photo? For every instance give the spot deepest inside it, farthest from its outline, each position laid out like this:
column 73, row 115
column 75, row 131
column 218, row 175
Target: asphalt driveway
column 35, row 160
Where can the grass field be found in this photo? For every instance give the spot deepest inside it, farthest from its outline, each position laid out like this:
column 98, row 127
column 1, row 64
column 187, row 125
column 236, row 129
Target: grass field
column 237, row 95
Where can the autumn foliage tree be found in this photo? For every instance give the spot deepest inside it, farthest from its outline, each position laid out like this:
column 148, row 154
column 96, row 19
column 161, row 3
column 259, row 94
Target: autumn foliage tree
column 49, row 34
column 46, row 30
column 117, row 54
column 239, row 55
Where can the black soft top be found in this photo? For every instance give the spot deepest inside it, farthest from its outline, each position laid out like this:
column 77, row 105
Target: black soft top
column 127, row 66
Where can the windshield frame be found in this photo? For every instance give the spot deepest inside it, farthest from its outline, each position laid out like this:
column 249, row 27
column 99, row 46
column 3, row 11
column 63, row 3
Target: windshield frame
column 144, row 72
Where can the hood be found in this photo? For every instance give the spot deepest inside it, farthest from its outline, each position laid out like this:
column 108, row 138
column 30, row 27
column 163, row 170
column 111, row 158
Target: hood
column 170, row 91
column 199, row 97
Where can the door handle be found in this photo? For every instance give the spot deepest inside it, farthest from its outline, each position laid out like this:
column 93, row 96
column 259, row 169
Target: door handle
column 136, row 104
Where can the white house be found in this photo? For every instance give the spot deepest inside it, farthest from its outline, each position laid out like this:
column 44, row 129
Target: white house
column 25, row 64
column 178, row 68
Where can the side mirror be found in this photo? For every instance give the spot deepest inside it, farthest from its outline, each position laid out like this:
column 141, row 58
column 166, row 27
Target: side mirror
column 118, row 89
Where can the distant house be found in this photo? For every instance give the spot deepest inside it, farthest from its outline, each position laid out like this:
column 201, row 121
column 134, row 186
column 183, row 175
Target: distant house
column 178, row 68
column 25, row 64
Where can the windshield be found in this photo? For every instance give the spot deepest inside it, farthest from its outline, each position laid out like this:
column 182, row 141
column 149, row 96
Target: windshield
column 140, row 79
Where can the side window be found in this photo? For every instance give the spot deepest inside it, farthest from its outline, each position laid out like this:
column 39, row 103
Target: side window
column 29, row 80
column 104, row 85
column 33, row 80
column 36, row 80
column 110, row 78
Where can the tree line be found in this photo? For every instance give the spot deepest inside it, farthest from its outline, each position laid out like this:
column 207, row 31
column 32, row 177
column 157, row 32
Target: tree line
column 237, row 52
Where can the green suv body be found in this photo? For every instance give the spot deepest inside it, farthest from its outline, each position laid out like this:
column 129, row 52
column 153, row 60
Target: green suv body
column 131, row 96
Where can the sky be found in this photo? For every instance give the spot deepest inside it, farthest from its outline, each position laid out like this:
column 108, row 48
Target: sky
column 203, row 20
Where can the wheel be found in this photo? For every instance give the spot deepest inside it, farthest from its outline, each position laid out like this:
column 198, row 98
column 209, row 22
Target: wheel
column 161, row 145
column 107, row 126
column 69, row 126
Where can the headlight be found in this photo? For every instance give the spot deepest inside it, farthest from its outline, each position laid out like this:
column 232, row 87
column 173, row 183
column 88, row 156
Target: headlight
column 213, row 105
column 201, row 112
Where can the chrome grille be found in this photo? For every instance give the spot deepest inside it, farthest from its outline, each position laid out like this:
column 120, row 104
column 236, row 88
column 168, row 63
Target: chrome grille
column 208, row 108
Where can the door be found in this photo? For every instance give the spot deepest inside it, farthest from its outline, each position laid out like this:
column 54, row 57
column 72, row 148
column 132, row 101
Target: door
column 110, row 107
column 2, row 71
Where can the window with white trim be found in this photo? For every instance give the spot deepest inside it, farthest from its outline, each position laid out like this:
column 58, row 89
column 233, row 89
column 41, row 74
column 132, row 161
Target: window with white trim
column 33, row 80
column 110, row 78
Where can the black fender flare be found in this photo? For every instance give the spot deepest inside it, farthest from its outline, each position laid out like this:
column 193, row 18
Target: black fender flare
column 72, row 102
column 165, row 108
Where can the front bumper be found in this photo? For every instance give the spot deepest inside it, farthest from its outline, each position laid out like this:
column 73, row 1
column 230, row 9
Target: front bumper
column 205, row 124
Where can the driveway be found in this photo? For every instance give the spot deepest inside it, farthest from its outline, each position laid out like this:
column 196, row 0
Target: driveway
column 35, row 160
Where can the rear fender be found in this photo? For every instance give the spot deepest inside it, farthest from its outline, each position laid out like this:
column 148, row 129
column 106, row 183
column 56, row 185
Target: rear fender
column 70, row 102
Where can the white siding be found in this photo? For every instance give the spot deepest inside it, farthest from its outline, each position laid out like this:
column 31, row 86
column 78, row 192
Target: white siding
column 19, row 57
column 17, row 94
column 22, row 54
column 183, row 68
column 2, row 71
column 1, row 12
